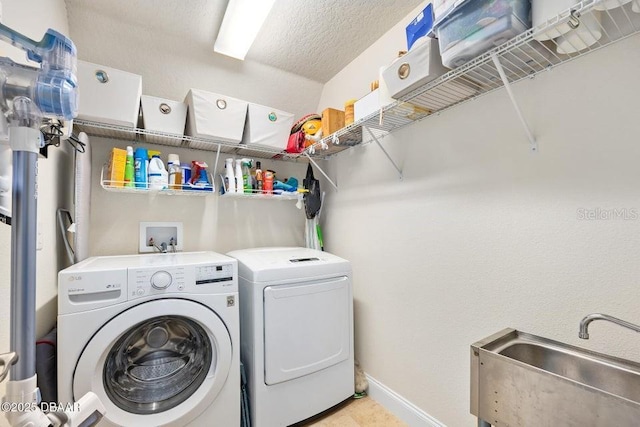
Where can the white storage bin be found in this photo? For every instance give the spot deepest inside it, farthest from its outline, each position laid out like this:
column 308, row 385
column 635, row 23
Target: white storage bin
column 476, row 26
column 543, row 10
column 419, row 66
column 370, row 103
column 163, row 115
column 107, row 95
column 214, row 116
column 267, row 126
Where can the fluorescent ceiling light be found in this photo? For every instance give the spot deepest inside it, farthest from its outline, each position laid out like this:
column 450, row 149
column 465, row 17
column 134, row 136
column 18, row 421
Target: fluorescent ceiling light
column 240, row 26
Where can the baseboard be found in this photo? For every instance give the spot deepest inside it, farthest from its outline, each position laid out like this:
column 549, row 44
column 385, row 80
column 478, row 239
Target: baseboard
column 399, row 406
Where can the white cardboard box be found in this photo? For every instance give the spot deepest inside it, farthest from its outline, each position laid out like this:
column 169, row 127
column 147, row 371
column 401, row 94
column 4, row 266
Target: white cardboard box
column 419, row 66
column 163, row 115
column 267, row 126
column 370, row 103
column 107, row 95
column 214, row 116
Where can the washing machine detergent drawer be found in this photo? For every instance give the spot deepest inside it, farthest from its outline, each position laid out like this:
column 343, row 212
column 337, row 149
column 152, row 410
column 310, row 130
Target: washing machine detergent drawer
column 306, row 328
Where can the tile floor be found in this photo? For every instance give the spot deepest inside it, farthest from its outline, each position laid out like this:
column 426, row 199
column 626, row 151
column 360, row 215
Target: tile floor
column 364, row 412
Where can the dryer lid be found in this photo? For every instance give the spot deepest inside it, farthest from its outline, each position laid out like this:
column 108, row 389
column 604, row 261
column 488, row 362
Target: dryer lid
column 276, row 264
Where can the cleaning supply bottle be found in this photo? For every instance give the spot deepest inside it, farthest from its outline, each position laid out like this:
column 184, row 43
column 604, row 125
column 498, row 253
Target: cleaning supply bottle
column 258, row 177
column 252, row 171
column 186, row 173
column 175, row 172
column 158, row 176
column 129, row 169
column 269, row 176
column 246, row 176
column 229, row 179
column 140, row 161
column 238, row 175
column 203, row 183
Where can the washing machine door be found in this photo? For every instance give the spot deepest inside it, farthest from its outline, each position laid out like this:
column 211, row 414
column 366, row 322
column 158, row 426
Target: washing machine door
column 159, row 363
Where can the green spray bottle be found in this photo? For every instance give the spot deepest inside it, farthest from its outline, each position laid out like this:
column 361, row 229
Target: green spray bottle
column 246, row 176
column 129, row 169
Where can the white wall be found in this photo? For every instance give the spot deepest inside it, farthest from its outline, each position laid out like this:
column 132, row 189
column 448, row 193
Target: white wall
column 483, row 235
column 354, row 79
column 170, row 65
column 169, row 68
column 210, row 222
column 33, row 18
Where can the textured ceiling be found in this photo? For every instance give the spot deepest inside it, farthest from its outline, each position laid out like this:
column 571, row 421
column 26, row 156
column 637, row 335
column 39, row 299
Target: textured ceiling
column 318, row 38
column 313, row 39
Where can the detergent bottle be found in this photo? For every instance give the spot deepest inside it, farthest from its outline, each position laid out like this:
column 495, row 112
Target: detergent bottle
column 140, row 161
column 158, row 176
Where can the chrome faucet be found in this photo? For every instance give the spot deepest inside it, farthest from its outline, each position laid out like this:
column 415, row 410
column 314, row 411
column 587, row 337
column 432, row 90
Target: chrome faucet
column 584, row 323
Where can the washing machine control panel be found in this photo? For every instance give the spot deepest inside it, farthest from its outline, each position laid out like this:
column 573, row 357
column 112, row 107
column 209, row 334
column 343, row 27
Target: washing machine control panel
column 207, row 274
column 202, row 278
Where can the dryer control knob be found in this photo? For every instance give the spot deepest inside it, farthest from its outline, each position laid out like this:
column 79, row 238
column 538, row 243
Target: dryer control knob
column 161, row 280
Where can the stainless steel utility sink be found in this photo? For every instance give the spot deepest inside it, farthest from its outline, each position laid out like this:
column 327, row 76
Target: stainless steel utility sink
column 519, row 379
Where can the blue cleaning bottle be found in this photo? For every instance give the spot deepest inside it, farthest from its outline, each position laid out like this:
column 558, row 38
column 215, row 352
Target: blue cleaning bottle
column 203, row 181
column 140, row 160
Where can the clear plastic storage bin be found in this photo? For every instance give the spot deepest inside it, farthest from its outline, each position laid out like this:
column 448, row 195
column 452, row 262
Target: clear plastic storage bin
column 440, row 8
column 476, row 26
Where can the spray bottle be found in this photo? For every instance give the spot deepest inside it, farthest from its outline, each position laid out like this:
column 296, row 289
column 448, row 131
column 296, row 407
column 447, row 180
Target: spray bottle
column 246, row 176
column 129, row 169
column 229, row 180
column 238, row 175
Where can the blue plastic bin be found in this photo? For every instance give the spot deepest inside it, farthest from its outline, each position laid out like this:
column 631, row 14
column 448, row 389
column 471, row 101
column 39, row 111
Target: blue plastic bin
column 420, row 26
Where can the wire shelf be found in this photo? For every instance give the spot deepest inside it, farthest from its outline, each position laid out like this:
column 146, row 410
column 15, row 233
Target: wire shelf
column 187, row 190
column 175, row 140
column 521, row 57
column 284, row 195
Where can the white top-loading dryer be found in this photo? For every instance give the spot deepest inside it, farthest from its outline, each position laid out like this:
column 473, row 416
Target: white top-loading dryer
column 296, row 332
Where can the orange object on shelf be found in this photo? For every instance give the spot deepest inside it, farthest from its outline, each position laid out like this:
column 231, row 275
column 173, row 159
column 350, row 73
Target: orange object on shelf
column 348, row 111
column 332, row 121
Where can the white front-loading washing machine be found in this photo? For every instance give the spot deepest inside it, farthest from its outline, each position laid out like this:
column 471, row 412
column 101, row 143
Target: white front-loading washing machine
column 296, row 323
column 156, row 337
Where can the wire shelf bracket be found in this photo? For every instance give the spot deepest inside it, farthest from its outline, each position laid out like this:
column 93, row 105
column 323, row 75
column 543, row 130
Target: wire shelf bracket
column 320, row 170
column 533, row 145
column 385, row 153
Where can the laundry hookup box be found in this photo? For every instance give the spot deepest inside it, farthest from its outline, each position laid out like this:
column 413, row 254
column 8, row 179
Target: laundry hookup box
column 267, row 126
column 214, row 116
column 107, row 95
